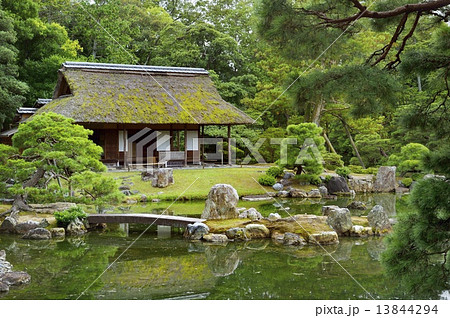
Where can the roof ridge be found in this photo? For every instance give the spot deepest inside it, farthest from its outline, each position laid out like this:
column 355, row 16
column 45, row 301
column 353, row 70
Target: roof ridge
column 136, row 68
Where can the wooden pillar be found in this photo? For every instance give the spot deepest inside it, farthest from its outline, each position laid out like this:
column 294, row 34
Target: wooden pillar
column 171, row 138
column 125, row 153
column 229, row 144
column 185, row 145
column 202, row 146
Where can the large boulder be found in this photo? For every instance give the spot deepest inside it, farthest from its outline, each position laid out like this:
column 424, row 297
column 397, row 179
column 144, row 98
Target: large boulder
column 8, row 225
column 297, row 193
column 273, row 217
column 251, row 214
column 277, row 186
column 221, row 203
column 38, row 234
column 379, row 220
column 58, row 232
column 196, row 231
column 162, row 177
column 25, row 227
column 326, row 209
column 215, row 238
column 340, row 220
column 76, row 228
column 385, row 181
column 323, row 191
column 361, row 184
column 257, row 231
column 337, row 185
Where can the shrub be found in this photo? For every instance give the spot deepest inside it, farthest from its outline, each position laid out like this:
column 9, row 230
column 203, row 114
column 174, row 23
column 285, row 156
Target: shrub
column 332, row 161
column 407, row 182
column 343, row 171
column 310, row 178
column 275, row 171
column 371, row 170
column 327, row 178
column 267, row 180
column 360, row 170
column 64, row 218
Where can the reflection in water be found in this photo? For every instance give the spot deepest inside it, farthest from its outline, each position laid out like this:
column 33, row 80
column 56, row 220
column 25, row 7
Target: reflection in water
column 155, row 268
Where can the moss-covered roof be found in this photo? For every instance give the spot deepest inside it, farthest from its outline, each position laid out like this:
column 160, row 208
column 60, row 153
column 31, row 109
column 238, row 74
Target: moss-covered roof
column 136, row 96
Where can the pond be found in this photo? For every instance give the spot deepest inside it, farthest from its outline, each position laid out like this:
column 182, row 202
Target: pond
column 162, row 265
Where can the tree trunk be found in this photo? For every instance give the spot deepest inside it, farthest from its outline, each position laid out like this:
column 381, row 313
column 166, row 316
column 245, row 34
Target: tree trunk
column 317, row 112
column 19, row 203
column 327, row 140
column 352, row 142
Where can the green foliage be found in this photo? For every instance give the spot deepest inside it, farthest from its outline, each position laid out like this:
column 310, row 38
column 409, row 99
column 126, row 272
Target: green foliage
column 275, row 171
column 332, row 160
column 96, row 187
column 267, row 180
column 417, row 252
column 360, row 170
column 407, row 182
column 269, row 151
column 343, row 171
column 328, row 178
column 308, row 178
column 63, row 218
column 307, row 150
column 12, row 90
column 409, row 158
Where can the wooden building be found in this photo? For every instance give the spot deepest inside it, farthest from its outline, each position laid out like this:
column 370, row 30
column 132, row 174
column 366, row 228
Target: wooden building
column 143, row 114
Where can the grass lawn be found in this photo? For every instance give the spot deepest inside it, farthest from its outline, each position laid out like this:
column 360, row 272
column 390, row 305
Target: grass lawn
column 196, row 183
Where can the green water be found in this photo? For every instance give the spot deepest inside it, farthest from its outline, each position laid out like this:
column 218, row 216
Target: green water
column 162, row 265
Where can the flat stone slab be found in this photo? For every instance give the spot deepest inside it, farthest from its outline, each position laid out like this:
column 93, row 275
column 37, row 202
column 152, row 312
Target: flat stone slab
column 254, row 198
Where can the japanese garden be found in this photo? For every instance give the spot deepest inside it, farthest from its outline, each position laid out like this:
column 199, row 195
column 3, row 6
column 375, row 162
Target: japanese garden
column 224, row 149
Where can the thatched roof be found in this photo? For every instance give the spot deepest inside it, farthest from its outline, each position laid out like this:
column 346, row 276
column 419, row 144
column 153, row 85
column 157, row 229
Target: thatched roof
column 133, row 94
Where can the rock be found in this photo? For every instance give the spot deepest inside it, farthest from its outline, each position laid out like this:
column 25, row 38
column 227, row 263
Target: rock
column 143, row 198
column 352, row 193
column 288, row 175
column 283, row 194
column 52, row 207
column 134, row 191
column 124, row 187
column 215, row 238
column 360, row 231
column 16, row 278
column 277, row 237
column 314, row 193
column 76, row 228
column 296, row 193
column 361, row 184
column 127, row 192
column 162, row 177
column 58, row 232
column 385, row 181
column 285, row 182
column 25, row 227
column 434, row 176
column 38, row 234
column 337, row 185
column 257, row 197
column 357, row 205
column 221, row 203
column 5, row 267
column 44, row 223
column 277, row 186
column 326, row 209
column 324, row 238
column 340, row 220
column 2, row 255
column 378, row 219
column 131, row 201
column 3, row 287
column 251, row 214
column 257, row 231
column 293, row 239
column 8, row 225
column 147, row 176
column 196, row 231
column 274, row 216
column 237, row 234
column 156, row 200
column 323, row 190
